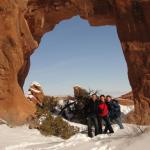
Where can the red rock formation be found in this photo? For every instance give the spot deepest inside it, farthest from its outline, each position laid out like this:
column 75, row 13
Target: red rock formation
column 126, row 99
column 128, row 95
column 79, row 92
column 16, row 42
column 133, row 25
column 24, row 22
column 35, row 93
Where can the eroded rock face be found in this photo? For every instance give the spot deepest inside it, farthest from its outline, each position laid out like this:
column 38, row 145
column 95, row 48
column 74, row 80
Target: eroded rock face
column 24, row 22
column 79, row 92
column 16, row 42
column 35, row 93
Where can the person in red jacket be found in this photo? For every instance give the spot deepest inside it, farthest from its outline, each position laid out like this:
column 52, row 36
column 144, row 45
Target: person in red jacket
column 103, row 112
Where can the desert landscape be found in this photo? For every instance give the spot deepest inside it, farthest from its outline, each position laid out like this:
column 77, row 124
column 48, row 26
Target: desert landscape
column 52, row 126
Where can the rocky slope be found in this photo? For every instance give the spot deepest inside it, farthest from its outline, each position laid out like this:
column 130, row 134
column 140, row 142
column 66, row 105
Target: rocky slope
column 128, row 95
column 24, row 22
column 126, row 99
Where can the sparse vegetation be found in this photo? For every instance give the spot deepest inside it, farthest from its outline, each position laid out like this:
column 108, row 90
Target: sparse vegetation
column 50, row 103
column 48, row 124
column 58, row 127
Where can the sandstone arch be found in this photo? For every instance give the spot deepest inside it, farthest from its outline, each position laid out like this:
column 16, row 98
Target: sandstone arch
column 24, row 22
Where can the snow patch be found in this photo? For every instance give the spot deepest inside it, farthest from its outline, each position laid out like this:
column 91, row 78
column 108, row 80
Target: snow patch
column 34, row 90
column 35, row 83
column 126, row 109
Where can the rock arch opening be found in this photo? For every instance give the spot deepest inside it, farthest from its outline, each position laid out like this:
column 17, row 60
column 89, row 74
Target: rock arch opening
column 75, row 53
column 25, row 22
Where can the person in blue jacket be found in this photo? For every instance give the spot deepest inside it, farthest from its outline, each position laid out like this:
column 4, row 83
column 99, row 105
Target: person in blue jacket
column 114, row 111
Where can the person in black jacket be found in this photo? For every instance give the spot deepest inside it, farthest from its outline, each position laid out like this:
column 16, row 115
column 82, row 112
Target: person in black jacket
column 114, row 111
column 91, row 111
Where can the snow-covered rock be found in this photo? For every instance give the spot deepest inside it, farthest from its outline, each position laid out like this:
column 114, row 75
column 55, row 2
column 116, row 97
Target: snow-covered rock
column 35, row 83
column 35, row 93
column 35, row 90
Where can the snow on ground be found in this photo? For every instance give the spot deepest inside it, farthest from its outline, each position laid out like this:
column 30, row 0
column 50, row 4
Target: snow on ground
column 22, row 138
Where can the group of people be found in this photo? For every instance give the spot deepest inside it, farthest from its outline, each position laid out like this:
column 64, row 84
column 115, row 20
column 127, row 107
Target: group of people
column 102, row 111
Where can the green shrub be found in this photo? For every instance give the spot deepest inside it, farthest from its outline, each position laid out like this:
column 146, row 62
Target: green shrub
column 48, row 105
column 58, row 127
column 52, row 125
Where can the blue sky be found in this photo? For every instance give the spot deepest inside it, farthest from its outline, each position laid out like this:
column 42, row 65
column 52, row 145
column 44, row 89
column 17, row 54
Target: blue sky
column 75, row 53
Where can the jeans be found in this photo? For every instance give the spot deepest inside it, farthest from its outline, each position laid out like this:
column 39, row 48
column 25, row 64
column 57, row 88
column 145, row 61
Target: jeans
column 118, row 121
column 107, row 125
column 92, row 120
column 99, row 124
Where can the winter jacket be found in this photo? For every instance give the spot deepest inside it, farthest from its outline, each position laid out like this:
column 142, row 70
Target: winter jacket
column 103, row 109
column 91, row 108
column 114, row 109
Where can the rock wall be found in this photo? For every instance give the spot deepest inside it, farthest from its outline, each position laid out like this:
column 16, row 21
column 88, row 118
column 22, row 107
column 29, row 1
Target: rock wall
column 24, row 22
